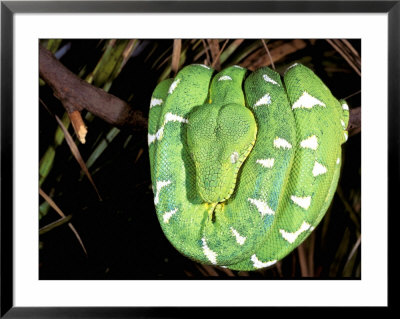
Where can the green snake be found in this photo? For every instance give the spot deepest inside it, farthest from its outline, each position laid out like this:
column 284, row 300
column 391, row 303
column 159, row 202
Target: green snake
column 243, row 165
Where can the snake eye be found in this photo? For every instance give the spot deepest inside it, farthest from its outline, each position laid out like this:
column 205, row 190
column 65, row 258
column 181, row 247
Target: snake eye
column 234, row 157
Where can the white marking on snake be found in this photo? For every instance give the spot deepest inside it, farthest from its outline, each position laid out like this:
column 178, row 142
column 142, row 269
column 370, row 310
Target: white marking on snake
column 157, row 136
column 310, row 142
column 292, row 66
column 345, row 106
column 204, row 66
column 239, row 239
column 265, row 100
column 303, row 202
column 211, row 255
column 262, row 207
column 234, row 157
column 238, row 66
column 225, row 78
column 259, row 264
column 154, row 102
column 169, row 214
column 169, row 117
column 291, row 237
column 160, row 184
column 281, row 143
column 307, row 101
column 319, row 169
column 346, row 136
column 268, row 162
column 173, row 86
column 338, row 160
column 343, row 124
column 268, row 79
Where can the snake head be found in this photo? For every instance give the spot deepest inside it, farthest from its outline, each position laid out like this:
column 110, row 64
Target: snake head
column 219, row 137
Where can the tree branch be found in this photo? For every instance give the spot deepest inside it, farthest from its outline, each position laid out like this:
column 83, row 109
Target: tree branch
column 354, row 126
column 76, row 95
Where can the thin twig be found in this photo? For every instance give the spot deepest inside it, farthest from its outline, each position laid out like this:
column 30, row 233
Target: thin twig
column 303, row 261
column 258, row 58
column 278, row 267
column 59, row 212
column 74, row 150
column 78, row 125
column 203, row 272
column 77, row 155
column 210, row 270
column 213, row 45
column 176, row 55
column 351, row 95
column 227, row 271
column 349, row 208
column 269, row 54
column 350, row 51
column 206, row 51
column 311, row 249
column 354, row 249
column 344, row 55
column 216, row 60
column 348, row 44
column 58, row 222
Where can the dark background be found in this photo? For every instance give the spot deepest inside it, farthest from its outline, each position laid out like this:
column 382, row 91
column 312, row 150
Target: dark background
column 121, row 233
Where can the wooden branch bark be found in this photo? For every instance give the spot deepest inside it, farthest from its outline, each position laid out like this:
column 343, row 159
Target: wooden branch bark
column 354, row 126
column 76, row 95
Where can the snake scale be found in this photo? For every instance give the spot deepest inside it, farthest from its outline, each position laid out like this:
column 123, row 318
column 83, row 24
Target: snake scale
column 243, row 165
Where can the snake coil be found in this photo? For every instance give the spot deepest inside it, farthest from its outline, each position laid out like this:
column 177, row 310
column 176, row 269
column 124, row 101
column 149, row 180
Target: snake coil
column 243, row 165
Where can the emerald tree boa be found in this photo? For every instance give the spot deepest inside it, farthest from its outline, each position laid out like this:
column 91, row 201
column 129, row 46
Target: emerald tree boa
column 243, row 164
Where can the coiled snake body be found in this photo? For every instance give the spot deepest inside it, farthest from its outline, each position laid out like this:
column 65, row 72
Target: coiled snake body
column 243, row 167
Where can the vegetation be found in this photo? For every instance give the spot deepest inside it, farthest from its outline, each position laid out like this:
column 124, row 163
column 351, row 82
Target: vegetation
column 97, row 216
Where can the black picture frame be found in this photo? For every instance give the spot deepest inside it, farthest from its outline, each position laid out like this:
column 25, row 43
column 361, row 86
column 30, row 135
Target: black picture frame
column 9, row 8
